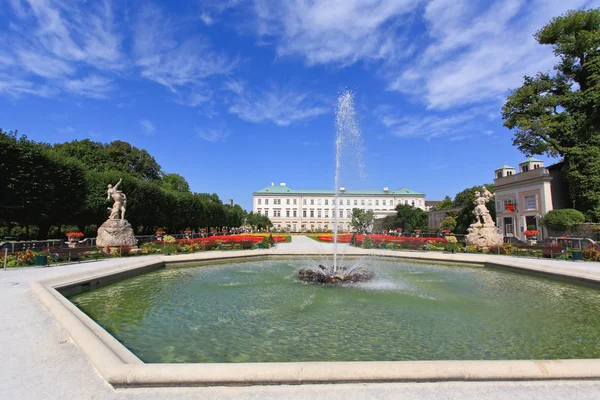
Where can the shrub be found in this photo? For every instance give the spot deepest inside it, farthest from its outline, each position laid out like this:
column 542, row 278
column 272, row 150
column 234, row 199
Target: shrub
column 591, row 253
column 562, row 220
column 271, row 240
column 266, row 243
column 367, row 243
column 451, row 239
column 353, row 240
column 451, row 247
column 169, row 239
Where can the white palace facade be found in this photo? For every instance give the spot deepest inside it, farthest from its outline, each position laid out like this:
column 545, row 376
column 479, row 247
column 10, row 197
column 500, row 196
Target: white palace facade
column 302, row 210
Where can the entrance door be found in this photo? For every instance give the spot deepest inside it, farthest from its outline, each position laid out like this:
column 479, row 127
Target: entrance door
column 530, row 221
column 508, row 226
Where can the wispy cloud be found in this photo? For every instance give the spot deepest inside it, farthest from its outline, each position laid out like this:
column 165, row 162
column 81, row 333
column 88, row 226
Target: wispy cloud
column 276, row 104
column 167, row 57
column 61, row 44
column 66, row 129
column 476, row 52
column 339, row 31
column 455, row 126
column 206, row 18
column 148, row 126
column 212, row 135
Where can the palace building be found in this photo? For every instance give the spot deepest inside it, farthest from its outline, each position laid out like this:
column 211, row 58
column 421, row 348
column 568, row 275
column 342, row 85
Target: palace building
column 302, row 210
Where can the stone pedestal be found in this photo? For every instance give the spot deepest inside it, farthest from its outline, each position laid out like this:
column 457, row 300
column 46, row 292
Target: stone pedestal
column 114, row 233
column 484, row 235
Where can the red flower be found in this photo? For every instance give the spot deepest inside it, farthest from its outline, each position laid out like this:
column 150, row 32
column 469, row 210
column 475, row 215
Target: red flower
column 74, row 234
column 532, row 232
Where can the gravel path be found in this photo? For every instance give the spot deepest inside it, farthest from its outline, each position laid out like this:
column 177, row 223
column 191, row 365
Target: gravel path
column 38, row 360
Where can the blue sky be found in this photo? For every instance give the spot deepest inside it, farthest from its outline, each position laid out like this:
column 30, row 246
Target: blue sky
column 235, row 95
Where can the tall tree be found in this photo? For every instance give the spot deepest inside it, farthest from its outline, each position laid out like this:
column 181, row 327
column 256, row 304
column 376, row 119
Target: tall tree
column 444, row 204
column 558, row 114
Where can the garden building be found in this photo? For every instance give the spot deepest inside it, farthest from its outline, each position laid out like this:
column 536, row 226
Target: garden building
column 524, row 196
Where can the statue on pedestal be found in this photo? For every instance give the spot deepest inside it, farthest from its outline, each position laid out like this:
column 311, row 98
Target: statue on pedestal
column 483, row 231
column 116, row 231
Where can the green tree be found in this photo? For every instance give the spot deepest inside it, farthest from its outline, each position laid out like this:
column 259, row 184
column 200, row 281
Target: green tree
column 410, row 218
column 444, row 204
column 361, row 220
column 115, row 156
column 558, row 114
column 175, row 182
column 448, row 223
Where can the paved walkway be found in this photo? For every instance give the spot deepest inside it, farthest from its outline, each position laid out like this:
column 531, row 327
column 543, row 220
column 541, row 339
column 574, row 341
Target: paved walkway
column 38, row 360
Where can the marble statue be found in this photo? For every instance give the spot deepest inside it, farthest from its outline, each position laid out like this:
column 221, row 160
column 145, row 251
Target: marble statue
column 483, row 232
column 116, row 231
column 120, row 201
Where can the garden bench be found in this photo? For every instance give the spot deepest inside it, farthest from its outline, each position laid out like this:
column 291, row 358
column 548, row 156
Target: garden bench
column 69, row 254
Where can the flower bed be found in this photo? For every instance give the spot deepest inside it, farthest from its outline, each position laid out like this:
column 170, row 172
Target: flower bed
column 377, row 239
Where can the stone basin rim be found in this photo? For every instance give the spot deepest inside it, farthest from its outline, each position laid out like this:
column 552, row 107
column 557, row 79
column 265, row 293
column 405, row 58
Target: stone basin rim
column 121, row 368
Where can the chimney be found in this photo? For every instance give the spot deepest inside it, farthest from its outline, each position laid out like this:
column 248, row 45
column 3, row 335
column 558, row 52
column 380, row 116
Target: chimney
column 272, row 183
column 386, row 189
column 282, row 184
column 342, row 189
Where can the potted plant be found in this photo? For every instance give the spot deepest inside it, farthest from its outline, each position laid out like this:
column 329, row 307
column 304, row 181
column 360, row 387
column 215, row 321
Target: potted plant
column 187, row 233
column 417, row 232
column 159, row 234
column 73, row 238
column 532, row 234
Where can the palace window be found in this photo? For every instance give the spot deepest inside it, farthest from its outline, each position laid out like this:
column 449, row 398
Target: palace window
column 319, row 213
column 295, row 202
column 383, row 202
column 258, row 201
column 266, row 212
column 326, row 213
column 304, row 202
column 362, row 202
column 266, row 201
column 326, row 202
column 341, row 213
column 312, row 202
column 376, row 202
column 530, row 203
column 318, row 202
column 258, row 211
column 355, row 202
column 287, row 201
column 295, row 213
column 312, row 213
column 287, row 213
column 304, row 213
column 348, row 202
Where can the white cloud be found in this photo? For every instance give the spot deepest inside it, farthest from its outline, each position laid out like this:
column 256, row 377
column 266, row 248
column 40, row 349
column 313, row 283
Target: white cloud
column 455, row 126
column 206, row 18
column 334, row 31
column 476, row 55
column 60, row 47
column 93, row 86
column 171, row 62
column 148, row 126
column 66, row 129
column 212, row 135
column 281, row 106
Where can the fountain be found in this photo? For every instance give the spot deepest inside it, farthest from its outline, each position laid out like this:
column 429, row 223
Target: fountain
column 347, row 135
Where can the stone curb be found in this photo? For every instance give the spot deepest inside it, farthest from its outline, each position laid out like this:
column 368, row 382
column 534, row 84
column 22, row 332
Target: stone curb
column 121, row 368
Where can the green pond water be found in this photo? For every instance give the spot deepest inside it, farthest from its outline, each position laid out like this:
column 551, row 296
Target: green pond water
column 258, row 312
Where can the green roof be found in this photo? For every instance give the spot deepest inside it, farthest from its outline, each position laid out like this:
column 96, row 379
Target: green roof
column 504, row 166
column 278, row 189
column 530, row 159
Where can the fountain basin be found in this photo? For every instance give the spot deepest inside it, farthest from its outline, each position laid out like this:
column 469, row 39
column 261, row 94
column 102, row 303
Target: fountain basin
column 339, row 277
column 122, row 368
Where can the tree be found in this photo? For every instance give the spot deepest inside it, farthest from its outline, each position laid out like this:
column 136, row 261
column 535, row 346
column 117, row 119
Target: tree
column 448, row 223
column 361, row 220
column 559, row 114
column 175, row 182
column 410, row 218
column 444, row 204
column 115, row 156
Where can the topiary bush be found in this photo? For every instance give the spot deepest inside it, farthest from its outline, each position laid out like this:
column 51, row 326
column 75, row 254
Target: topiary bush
column 562, row 220
column 367, row 243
